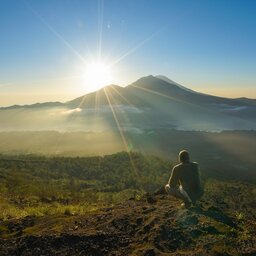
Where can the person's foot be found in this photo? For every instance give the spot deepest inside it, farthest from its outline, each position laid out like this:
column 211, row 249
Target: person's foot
column 186, row 205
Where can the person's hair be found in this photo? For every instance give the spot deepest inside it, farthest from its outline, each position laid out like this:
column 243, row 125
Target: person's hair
column 184, row 156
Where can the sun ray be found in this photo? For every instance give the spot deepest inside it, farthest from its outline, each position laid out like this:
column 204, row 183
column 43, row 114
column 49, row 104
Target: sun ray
column 82, row 101
column 57, row 34
column 136, row 47
column 96, row 102
column 100, row 25
column 121, row 133
column 165, row 96
column 129, row 103
column 125, row 113
column 116, row 120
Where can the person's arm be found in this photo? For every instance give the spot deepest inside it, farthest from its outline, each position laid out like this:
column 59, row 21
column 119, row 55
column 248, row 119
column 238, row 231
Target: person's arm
column 173, row 181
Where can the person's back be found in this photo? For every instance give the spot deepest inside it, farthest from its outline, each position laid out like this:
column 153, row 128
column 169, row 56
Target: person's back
column 187, row 175
column 184, row 182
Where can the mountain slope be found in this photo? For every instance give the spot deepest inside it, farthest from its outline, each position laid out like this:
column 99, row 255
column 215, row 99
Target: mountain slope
column 166, row 79
column 152, row 225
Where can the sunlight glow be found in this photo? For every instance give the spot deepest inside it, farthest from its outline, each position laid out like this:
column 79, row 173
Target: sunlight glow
column 120, row 129
column 97, row 76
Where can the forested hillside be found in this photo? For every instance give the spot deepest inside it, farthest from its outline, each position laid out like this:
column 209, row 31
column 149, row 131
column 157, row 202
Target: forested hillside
column 104, row 206
column 227, row 154
column 33, row 183
column 38, row 185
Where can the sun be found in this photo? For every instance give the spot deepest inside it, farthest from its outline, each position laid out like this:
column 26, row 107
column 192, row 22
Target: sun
column 97, row 75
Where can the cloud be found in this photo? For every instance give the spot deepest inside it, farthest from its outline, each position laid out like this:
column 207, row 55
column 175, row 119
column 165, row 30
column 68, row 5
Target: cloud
column 71, row 111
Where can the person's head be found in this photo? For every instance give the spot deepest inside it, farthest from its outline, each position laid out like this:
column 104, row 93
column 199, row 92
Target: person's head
column 184, row 156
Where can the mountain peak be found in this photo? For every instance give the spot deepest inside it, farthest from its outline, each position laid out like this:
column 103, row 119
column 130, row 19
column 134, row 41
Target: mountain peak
column 161, row 84
column 111, row 86
column 148, row 78
column 166, row 79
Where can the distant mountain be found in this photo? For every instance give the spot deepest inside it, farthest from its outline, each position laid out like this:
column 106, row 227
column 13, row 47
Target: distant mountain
column 149, row 102
column 35, row 105
column 158, row 86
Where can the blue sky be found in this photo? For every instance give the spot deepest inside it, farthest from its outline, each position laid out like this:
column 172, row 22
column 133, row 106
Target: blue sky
column 209, row 46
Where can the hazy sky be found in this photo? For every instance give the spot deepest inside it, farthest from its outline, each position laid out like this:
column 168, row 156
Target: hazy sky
column 47, row 45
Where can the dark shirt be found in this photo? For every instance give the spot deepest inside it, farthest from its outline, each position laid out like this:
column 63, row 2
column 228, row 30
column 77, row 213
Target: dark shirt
column 187, row 175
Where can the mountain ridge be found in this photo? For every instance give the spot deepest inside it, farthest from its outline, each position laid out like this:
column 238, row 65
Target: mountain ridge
column 149, row 102
column 141, row 81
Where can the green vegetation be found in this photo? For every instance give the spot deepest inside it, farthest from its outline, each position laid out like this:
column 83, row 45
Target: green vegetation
column 33, row 185
column 222, row 155
column 37, row 186
column 82, row 202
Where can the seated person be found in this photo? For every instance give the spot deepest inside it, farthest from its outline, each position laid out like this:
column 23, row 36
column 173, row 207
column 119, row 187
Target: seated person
column 184, row 182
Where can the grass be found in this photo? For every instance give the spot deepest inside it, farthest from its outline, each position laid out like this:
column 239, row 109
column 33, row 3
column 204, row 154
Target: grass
column 9, row 211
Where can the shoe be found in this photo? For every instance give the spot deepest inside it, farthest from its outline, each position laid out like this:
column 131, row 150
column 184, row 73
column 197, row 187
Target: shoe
column 186, row 205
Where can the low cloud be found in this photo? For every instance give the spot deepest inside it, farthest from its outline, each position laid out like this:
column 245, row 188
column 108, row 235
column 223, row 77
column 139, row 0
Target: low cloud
column 71, row 111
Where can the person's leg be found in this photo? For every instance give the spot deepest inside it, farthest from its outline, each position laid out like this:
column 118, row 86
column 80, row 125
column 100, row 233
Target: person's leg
column 177, row 193
column 174, row 192
column 184, row 193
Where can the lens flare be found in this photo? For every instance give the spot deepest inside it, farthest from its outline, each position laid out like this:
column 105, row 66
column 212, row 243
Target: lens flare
column 97, row 75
